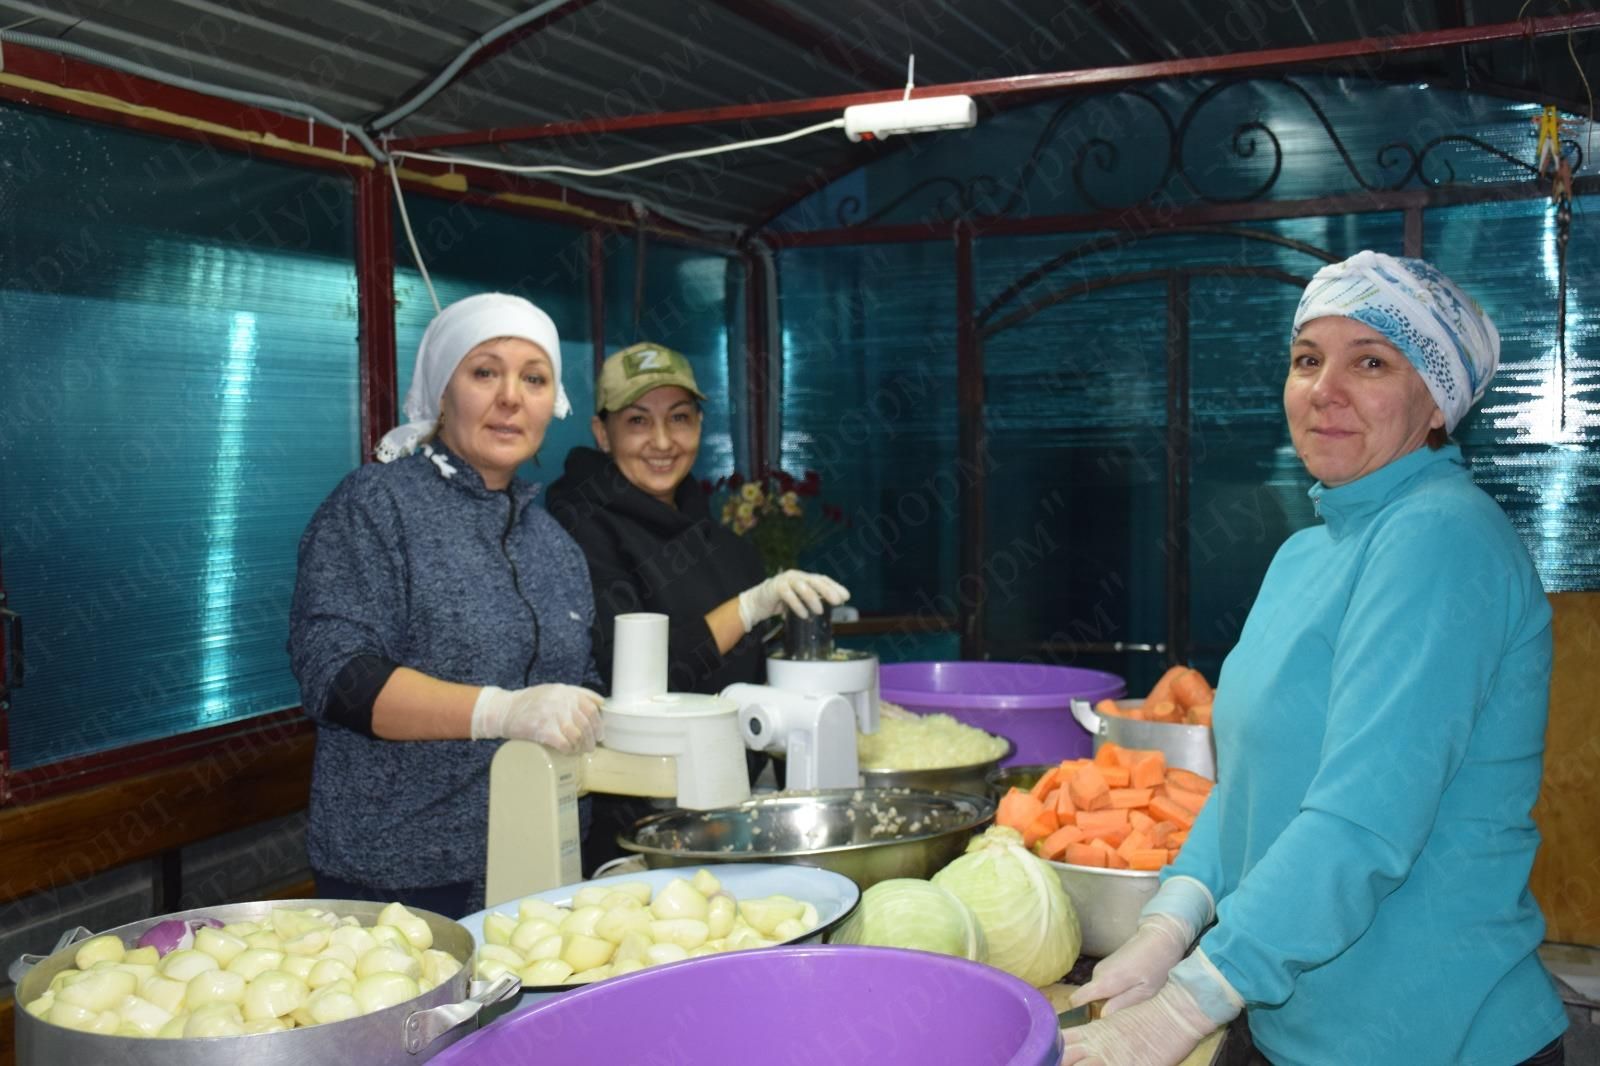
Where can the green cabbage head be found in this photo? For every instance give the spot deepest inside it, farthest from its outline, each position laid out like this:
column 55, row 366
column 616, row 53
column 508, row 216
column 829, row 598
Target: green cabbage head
column 908, row 913
column 1027, row 918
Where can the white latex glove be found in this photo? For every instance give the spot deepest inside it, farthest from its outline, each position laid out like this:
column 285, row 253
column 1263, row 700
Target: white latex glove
column 564, row 718
column 1158, row 1032
column 803, row 593
column 1138, row 969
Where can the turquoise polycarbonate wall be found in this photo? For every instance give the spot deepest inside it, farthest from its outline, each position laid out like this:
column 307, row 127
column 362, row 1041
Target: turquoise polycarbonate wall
column 179, row 393
column 1075, row 398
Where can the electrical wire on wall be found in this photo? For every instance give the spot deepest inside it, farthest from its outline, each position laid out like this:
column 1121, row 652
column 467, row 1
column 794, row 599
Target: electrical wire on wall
column 411, row 237
column 621, row 168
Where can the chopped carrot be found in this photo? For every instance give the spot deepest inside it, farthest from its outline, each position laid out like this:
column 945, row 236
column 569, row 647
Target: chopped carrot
column 1017, row 809
column 1089, row 789
column 1189, row 689
column 1095, row 822
column 1055, row 845
column 1124, row 808
column 1131, row 797
column 1164, row 711
column 1044, row 823
column 1112, row 836
column 1148, row 770
column 1189, row 780
column 1169, row 811
column 1191, row 801
column 1116, row 776
column 1079, row 854
column 1150, row 858
column 1161, row 834
column 1107, row 755
column 1108, row 707
column 1134, row 841
column 1048, row 781
column 1163, row 687
column 1172, row 854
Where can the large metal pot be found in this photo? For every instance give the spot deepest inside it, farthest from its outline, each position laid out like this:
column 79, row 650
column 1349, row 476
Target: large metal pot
column 1187, row 747
column 867, row 834
column 409, row 1032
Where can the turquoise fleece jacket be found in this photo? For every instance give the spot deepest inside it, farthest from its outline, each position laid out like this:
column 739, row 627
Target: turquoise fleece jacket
column 1380, row 738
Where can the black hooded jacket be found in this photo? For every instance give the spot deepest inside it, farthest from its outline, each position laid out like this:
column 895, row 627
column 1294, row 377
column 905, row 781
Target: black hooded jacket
column 646, row 556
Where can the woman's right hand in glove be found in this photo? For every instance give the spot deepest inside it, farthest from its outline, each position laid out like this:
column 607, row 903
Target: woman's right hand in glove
column 802, row 593
column 564, row 718
column 1138, row 969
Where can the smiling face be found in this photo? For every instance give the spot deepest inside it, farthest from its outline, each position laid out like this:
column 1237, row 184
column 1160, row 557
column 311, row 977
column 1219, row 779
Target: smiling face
column 1354, row 403
column 497, row 406
column 653, row 440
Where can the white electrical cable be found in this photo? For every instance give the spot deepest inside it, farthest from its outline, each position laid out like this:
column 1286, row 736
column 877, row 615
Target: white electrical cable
column 911, row 74
column 275, row 103
column 601, row 172
column 411, row 238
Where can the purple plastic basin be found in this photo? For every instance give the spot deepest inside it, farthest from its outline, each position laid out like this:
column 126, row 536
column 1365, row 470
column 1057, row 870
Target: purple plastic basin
column 1028, row 703
column 793, row 1006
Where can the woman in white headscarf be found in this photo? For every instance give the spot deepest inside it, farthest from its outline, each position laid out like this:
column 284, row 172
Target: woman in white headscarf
column 1379, row 732
column 436, row 603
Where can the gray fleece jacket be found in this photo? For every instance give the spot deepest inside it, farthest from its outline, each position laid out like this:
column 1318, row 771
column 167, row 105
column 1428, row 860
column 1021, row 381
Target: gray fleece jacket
column 407, row 564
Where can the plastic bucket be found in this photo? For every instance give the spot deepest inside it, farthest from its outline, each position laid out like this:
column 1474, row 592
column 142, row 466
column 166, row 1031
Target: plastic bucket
column 1028, row 703
column 793, row 1006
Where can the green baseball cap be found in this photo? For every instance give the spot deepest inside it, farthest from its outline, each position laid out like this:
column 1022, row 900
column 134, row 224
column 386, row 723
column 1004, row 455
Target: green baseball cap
column 628, row 374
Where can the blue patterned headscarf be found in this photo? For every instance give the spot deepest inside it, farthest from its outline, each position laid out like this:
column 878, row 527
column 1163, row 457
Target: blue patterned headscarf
column 1438, row 328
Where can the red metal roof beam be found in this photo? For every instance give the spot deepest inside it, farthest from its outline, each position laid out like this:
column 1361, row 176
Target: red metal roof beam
column 1036, row 83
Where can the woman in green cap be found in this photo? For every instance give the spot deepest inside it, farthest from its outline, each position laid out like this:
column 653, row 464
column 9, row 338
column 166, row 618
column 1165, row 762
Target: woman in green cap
column 652, row 545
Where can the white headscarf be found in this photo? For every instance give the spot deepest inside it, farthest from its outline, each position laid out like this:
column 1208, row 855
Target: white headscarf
column 453, row 333
column 1438, row 328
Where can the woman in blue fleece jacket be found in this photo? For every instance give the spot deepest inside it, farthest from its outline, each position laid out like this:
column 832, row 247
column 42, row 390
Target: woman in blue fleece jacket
column 1379, row 732
column 436, row 611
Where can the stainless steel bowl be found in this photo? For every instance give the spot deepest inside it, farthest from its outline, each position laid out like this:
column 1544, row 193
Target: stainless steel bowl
column 867, row 834
column 1003, row 779
column 971, row 778
column 1107, row 901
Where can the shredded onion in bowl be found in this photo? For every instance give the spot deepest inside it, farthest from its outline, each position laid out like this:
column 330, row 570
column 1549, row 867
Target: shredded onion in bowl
column 924, row 742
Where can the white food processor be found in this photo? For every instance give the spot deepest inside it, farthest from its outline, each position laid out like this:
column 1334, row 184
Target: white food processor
column 815, row 700
column 681, row 746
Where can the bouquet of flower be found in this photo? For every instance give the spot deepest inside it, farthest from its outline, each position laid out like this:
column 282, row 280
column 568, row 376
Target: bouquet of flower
column 777, row 511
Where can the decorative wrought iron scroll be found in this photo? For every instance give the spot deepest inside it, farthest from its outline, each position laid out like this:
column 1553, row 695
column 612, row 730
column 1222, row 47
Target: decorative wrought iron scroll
column 1397, row 163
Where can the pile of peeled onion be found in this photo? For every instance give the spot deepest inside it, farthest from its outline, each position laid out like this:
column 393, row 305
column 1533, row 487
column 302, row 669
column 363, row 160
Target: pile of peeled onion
column 613, row 929
column 203, row 978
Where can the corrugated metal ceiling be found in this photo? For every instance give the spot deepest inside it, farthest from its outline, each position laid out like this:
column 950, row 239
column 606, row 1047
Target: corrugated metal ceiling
column 607, row 58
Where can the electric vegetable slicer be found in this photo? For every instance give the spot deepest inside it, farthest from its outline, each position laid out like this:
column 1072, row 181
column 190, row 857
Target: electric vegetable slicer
column 681, row 746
